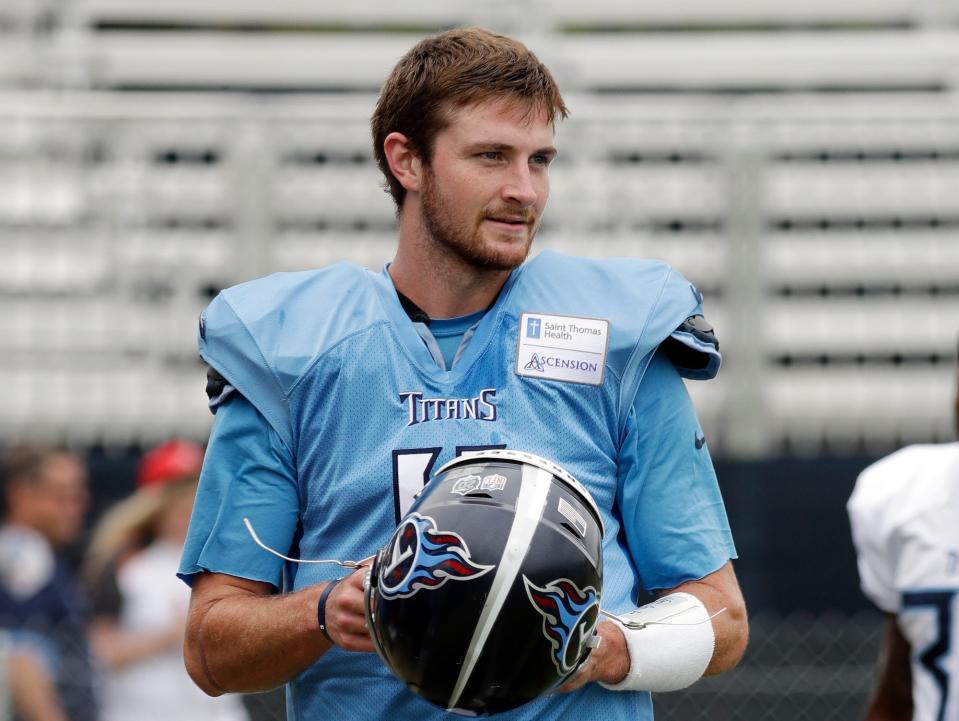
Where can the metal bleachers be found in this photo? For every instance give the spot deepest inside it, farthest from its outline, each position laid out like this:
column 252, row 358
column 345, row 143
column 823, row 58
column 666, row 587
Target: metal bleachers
column 800, row 163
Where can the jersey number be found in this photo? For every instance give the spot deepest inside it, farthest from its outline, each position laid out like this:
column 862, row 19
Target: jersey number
column 411, row 471
column 941, row 602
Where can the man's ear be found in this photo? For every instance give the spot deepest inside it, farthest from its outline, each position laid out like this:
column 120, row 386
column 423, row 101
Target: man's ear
column 404, row 163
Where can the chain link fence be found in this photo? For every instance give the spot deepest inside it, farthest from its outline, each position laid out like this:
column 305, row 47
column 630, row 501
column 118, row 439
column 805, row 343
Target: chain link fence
column 798, row 667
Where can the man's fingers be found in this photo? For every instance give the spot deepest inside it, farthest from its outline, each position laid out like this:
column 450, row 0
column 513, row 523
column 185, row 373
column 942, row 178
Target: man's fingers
column 346, row 614
column 356, row 578
column 575, row 681
column 351, row 601
column 351, row 624
column 353, row 642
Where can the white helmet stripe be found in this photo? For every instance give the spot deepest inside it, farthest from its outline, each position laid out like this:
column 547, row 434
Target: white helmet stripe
column 530, row 503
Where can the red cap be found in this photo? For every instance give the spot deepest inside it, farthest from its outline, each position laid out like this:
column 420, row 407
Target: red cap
column 169, row 462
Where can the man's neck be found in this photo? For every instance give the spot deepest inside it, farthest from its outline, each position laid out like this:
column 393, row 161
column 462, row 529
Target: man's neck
column 437, row 280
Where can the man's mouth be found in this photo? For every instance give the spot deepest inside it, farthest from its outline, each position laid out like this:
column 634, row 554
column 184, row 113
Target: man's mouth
column 514, row 222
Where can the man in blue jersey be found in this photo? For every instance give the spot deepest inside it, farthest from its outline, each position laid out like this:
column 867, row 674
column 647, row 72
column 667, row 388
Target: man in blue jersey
column 337, row 391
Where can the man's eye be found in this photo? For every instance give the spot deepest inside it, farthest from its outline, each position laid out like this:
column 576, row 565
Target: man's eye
column 490, row 155
column 541, row 159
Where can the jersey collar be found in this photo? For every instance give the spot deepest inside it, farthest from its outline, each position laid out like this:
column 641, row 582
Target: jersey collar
column 403, row 320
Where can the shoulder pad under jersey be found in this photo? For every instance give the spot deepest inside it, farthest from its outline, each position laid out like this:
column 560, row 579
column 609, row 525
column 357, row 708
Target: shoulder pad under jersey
column 260, row 337
column 693, row 348
column 647, row 302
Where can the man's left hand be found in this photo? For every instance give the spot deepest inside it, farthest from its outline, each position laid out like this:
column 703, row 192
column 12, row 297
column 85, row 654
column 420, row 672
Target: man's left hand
column 609, row 662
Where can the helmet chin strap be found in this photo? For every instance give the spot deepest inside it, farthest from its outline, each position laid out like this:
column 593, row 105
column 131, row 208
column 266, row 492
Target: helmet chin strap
column 345, row 564
column 630, row 623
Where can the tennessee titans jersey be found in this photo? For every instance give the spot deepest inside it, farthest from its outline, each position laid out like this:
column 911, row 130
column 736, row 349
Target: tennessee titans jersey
column 336, row 413
column 903, row 514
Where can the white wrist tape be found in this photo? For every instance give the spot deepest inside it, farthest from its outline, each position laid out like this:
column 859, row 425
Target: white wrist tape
column 670, row 644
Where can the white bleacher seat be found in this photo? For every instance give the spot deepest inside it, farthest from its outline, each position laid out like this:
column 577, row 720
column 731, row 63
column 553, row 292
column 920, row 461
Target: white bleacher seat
column 184, row 254
column 778, row 60
column 285, row 13
column 67, row 262
column 185, row 190
column 872, row 326
column 878, row 404
column 302, row 250
column 344, row 138
column 862, row 258
column 611, row 13
column 849, row 189
column 558, row 13
column 337, row 192
column 41, row 195
column 663, row 191
column 191, row 59
column 118, row 404
column 610, row 61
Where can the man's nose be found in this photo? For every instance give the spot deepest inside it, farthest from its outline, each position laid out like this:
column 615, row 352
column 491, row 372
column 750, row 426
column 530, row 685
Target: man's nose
column 519, row 188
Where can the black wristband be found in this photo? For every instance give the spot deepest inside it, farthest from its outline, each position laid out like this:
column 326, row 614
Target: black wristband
column 321, row 607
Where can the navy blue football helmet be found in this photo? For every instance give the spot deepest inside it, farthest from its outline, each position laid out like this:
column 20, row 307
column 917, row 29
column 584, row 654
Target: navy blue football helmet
column 488, row 592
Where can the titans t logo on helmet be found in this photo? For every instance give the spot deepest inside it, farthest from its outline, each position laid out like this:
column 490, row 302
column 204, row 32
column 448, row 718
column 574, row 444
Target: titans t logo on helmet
column 423, row 558
column 569, row 617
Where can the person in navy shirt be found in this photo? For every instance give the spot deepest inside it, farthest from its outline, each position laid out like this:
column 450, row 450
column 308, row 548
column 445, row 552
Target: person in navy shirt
column 41, row 606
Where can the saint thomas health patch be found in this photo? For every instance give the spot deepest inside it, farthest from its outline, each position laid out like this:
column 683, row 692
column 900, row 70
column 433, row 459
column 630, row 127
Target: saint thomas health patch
column 562, row 348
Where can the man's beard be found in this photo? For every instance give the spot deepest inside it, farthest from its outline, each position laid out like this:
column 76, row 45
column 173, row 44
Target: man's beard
column 465, row 241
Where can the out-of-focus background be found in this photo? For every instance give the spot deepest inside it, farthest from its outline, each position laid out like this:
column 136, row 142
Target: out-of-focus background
column 798, row 161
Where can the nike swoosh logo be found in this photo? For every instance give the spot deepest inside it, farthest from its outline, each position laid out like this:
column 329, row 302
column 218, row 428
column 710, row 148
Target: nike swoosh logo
column 700, row 441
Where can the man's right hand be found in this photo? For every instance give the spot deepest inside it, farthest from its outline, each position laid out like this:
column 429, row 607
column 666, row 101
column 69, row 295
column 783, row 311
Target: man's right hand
column 346, row 615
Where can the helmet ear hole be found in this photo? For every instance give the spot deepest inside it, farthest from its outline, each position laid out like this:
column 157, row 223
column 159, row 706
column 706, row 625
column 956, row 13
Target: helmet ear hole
column 488, row 592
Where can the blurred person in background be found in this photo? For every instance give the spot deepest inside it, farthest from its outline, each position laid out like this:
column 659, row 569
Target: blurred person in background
column 904, row 514
column 46, row 497
column 139, row 605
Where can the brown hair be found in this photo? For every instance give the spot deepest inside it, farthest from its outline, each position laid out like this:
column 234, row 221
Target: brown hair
column 451, row 70
column 130, row 525
column 24, row 463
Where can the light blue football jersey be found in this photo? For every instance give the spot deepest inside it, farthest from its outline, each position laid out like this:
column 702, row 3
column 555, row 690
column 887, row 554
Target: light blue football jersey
column 341, row 413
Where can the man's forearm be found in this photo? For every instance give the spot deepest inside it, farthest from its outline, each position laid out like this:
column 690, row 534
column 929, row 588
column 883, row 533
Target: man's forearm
column 239, row 640
column 720, row 593
column 892, row 698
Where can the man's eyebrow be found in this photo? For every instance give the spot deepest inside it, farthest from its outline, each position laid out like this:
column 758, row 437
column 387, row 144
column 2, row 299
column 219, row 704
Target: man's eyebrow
column 483, row 146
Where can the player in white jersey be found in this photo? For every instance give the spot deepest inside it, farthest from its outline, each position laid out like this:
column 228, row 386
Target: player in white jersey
column 904, row 513
column 336, row 391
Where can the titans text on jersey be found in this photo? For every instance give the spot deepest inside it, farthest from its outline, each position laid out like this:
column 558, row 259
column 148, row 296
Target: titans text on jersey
column 481, row 407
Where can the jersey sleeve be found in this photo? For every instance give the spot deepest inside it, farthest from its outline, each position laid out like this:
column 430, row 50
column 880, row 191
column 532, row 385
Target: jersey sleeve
column 689, row 341
column 672, row 510
column 248, row 472
column 228, row 344
column 873, row 538
column 673, row 328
